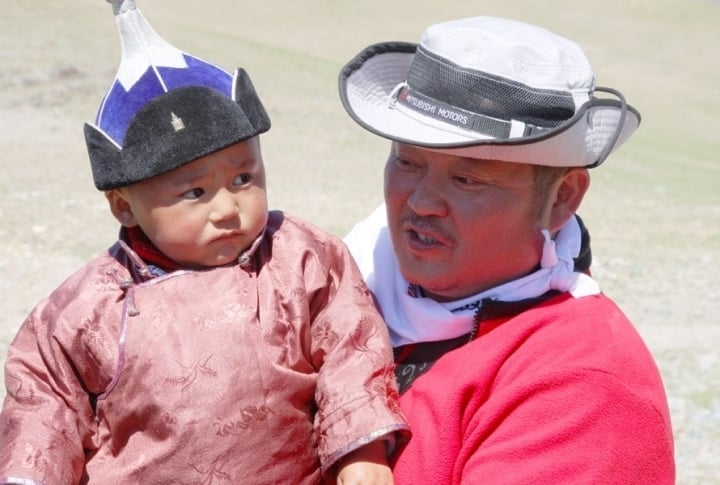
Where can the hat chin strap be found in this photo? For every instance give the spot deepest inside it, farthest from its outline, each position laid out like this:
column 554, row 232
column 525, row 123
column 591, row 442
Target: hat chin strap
column 610, row 146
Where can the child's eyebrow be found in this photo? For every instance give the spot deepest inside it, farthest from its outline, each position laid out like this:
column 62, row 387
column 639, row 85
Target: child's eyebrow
column 189, row 175
column 243, row 162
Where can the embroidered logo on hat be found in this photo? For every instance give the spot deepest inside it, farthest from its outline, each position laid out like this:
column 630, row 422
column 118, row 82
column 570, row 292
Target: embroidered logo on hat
column 177, row 122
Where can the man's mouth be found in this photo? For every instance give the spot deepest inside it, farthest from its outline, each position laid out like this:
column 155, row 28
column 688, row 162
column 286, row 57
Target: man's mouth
column 423, row 234
column 424, row 238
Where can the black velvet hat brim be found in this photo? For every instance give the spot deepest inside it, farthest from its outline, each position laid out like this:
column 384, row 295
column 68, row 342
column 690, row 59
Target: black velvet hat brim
column 174, row 129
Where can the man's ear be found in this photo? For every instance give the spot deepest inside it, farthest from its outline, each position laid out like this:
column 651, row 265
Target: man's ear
column 569, row 193
column 120, row 207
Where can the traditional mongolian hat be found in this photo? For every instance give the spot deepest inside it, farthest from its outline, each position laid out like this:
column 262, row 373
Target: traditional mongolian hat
column 488, row 88
column 165, row 108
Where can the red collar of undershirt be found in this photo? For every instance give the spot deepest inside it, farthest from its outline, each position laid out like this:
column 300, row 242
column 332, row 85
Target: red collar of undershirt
column 149, row 253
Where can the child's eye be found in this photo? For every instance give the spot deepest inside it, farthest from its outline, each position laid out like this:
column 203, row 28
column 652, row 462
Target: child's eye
column 242, row 179
column 193, row 194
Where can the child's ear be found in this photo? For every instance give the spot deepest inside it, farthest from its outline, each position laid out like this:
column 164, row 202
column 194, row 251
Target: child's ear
column 120, row 208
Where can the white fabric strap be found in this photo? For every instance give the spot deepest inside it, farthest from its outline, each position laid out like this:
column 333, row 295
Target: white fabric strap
column 412, row 320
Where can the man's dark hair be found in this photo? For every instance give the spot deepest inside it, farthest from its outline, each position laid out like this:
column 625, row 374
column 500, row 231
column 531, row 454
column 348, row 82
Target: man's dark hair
column 543, row 179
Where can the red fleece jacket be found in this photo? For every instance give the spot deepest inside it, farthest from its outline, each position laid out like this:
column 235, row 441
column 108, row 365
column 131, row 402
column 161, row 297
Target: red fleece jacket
column 565, row 392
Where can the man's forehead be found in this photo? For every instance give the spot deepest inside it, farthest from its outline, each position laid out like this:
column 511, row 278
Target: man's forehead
column 431, row 154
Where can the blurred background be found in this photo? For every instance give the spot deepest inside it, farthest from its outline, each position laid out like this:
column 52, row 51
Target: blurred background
column 653, row 209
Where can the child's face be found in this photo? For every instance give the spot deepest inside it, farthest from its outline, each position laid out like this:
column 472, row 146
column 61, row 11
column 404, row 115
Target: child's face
column 204, row 213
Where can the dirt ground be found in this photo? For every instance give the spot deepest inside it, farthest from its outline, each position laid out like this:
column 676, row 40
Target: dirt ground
column 653, row 211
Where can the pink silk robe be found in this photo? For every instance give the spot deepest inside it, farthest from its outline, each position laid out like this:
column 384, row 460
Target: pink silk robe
column 259, row 373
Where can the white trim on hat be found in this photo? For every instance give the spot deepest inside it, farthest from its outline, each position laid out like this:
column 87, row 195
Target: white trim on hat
column 141, row 46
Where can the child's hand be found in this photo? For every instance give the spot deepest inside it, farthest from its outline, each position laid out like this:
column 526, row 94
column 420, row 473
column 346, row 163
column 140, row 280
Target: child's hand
column 365, row 466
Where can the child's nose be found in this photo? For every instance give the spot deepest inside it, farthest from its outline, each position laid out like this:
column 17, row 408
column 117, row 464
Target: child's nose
column 224, row 206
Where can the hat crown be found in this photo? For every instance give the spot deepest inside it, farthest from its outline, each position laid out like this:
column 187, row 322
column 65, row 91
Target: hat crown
column 514, row 50
column 149, row 67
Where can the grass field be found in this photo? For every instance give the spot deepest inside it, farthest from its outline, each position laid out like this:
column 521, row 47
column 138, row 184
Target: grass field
column 653, row 209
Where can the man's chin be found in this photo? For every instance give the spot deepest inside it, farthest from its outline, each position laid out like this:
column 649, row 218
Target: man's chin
column 434, row 287
column 431, row 286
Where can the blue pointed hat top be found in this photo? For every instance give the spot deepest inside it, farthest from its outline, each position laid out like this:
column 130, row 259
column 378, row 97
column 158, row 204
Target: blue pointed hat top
column 149, row 67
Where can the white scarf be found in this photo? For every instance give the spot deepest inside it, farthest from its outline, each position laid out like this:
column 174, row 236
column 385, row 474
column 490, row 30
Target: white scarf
column 412, row 319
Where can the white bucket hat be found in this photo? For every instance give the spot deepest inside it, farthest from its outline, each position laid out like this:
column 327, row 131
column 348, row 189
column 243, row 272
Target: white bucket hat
column 488, row 88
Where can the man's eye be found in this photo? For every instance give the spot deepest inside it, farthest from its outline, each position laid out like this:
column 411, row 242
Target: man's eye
column 193, row 194
column 468, row 179
column 401, row 162
column 242, row 179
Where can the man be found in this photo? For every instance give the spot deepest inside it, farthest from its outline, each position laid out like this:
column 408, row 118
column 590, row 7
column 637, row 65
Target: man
column 513, row 366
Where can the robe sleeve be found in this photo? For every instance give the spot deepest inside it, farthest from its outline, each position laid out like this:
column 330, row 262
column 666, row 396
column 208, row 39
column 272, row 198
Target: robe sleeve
column 357, row 394
column 47, row 415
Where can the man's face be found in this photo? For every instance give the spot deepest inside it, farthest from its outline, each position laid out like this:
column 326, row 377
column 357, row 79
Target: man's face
column 204, row 213
column 458, row 225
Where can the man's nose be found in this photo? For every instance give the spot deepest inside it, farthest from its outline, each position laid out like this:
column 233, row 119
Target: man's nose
column 427, row 198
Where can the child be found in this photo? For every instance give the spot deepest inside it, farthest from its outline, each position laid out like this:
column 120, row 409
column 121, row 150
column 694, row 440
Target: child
column 215, row 342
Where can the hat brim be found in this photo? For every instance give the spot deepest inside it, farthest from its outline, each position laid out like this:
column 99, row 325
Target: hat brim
column 153, row 144
column 368, row 80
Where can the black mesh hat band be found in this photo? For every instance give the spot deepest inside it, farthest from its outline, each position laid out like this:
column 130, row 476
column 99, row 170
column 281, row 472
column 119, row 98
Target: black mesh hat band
column 464, row 119
column 486, row 94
